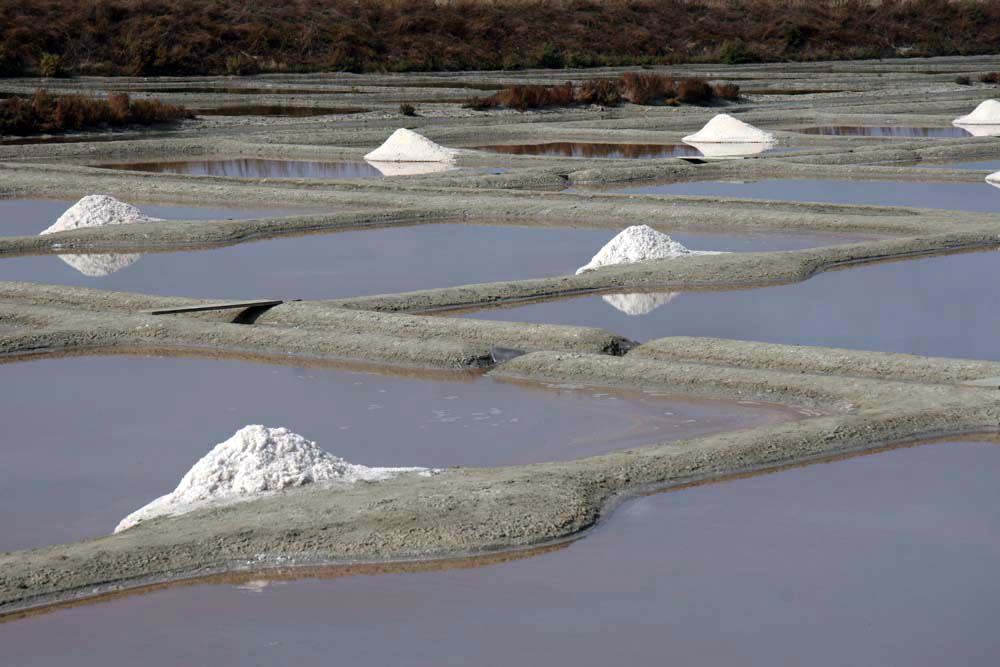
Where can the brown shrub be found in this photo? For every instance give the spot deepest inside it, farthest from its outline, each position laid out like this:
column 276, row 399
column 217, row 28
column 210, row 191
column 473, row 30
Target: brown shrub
column 727, row 91
column 642, row 88
column 695, row 91
column 990, row 77
column 605, row 92
column 187, row 37
column 50, row 113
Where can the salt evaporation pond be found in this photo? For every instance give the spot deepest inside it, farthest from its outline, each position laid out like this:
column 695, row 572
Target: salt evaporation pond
column 258, row 168
column 938, row 306
column 977, row 197
column 371, row 261
column 278, row 110
column 886, row 132
column 596, row 150
column 88, row 440
column 886, row 559
column 28, row 217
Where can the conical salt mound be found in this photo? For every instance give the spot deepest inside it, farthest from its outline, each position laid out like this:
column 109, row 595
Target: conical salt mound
column 256, row 460
column 638, row 243
column 723, row 128
column 987, row 113
column 408, row 146
column 97, row 211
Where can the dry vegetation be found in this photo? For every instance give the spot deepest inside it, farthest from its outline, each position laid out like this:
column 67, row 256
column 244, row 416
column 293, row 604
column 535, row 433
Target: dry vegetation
column 634, row 87
column 43, row 112
column 146, row 37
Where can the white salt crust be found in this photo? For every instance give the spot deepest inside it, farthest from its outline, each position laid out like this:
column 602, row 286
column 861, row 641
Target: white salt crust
column 257, row 460
column 987, row 113
column 408, row 146
column 723, row 128
column 638, row 243
column 98, row 211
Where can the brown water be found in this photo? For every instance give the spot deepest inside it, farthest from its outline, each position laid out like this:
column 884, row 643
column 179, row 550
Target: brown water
column 84, row 137
column 594, row 150
column 887, row 559
column 792, row 91
column 238, row 91
column 890, row 131
column 370, row 261
column 979, row 197
column 278, row 110
column 88, row 440
column 258, row 168
column 939, row 306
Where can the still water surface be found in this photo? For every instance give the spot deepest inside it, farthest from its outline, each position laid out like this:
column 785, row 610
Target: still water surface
column 90, row 439
column 887, row 559
column 938, row 306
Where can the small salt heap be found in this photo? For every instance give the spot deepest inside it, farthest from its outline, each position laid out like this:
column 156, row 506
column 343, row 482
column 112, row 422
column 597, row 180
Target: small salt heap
column 257, row 460
column 98, row 211
column 638, row 243
column 408, row 146
column 987, row 113
column 724, row 129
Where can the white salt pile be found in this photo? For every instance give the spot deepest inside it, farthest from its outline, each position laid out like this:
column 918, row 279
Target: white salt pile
column 639, row 303
column 255, row 461
column 98, row 211
column 411, row 168
column 638, row 243
column 408, row 146
column 987, row 113
column 723, row 128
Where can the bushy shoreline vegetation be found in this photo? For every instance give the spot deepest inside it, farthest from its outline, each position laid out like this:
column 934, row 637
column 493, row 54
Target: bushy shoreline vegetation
column 43, row 112
column 192, row 37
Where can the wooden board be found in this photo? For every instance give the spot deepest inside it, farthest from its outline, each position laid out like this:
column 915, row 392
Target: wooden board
column 226, row 305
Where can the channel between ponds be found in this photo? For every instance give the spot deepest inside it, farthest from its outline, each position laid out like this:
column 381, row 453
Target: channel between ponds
column 884, row 557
